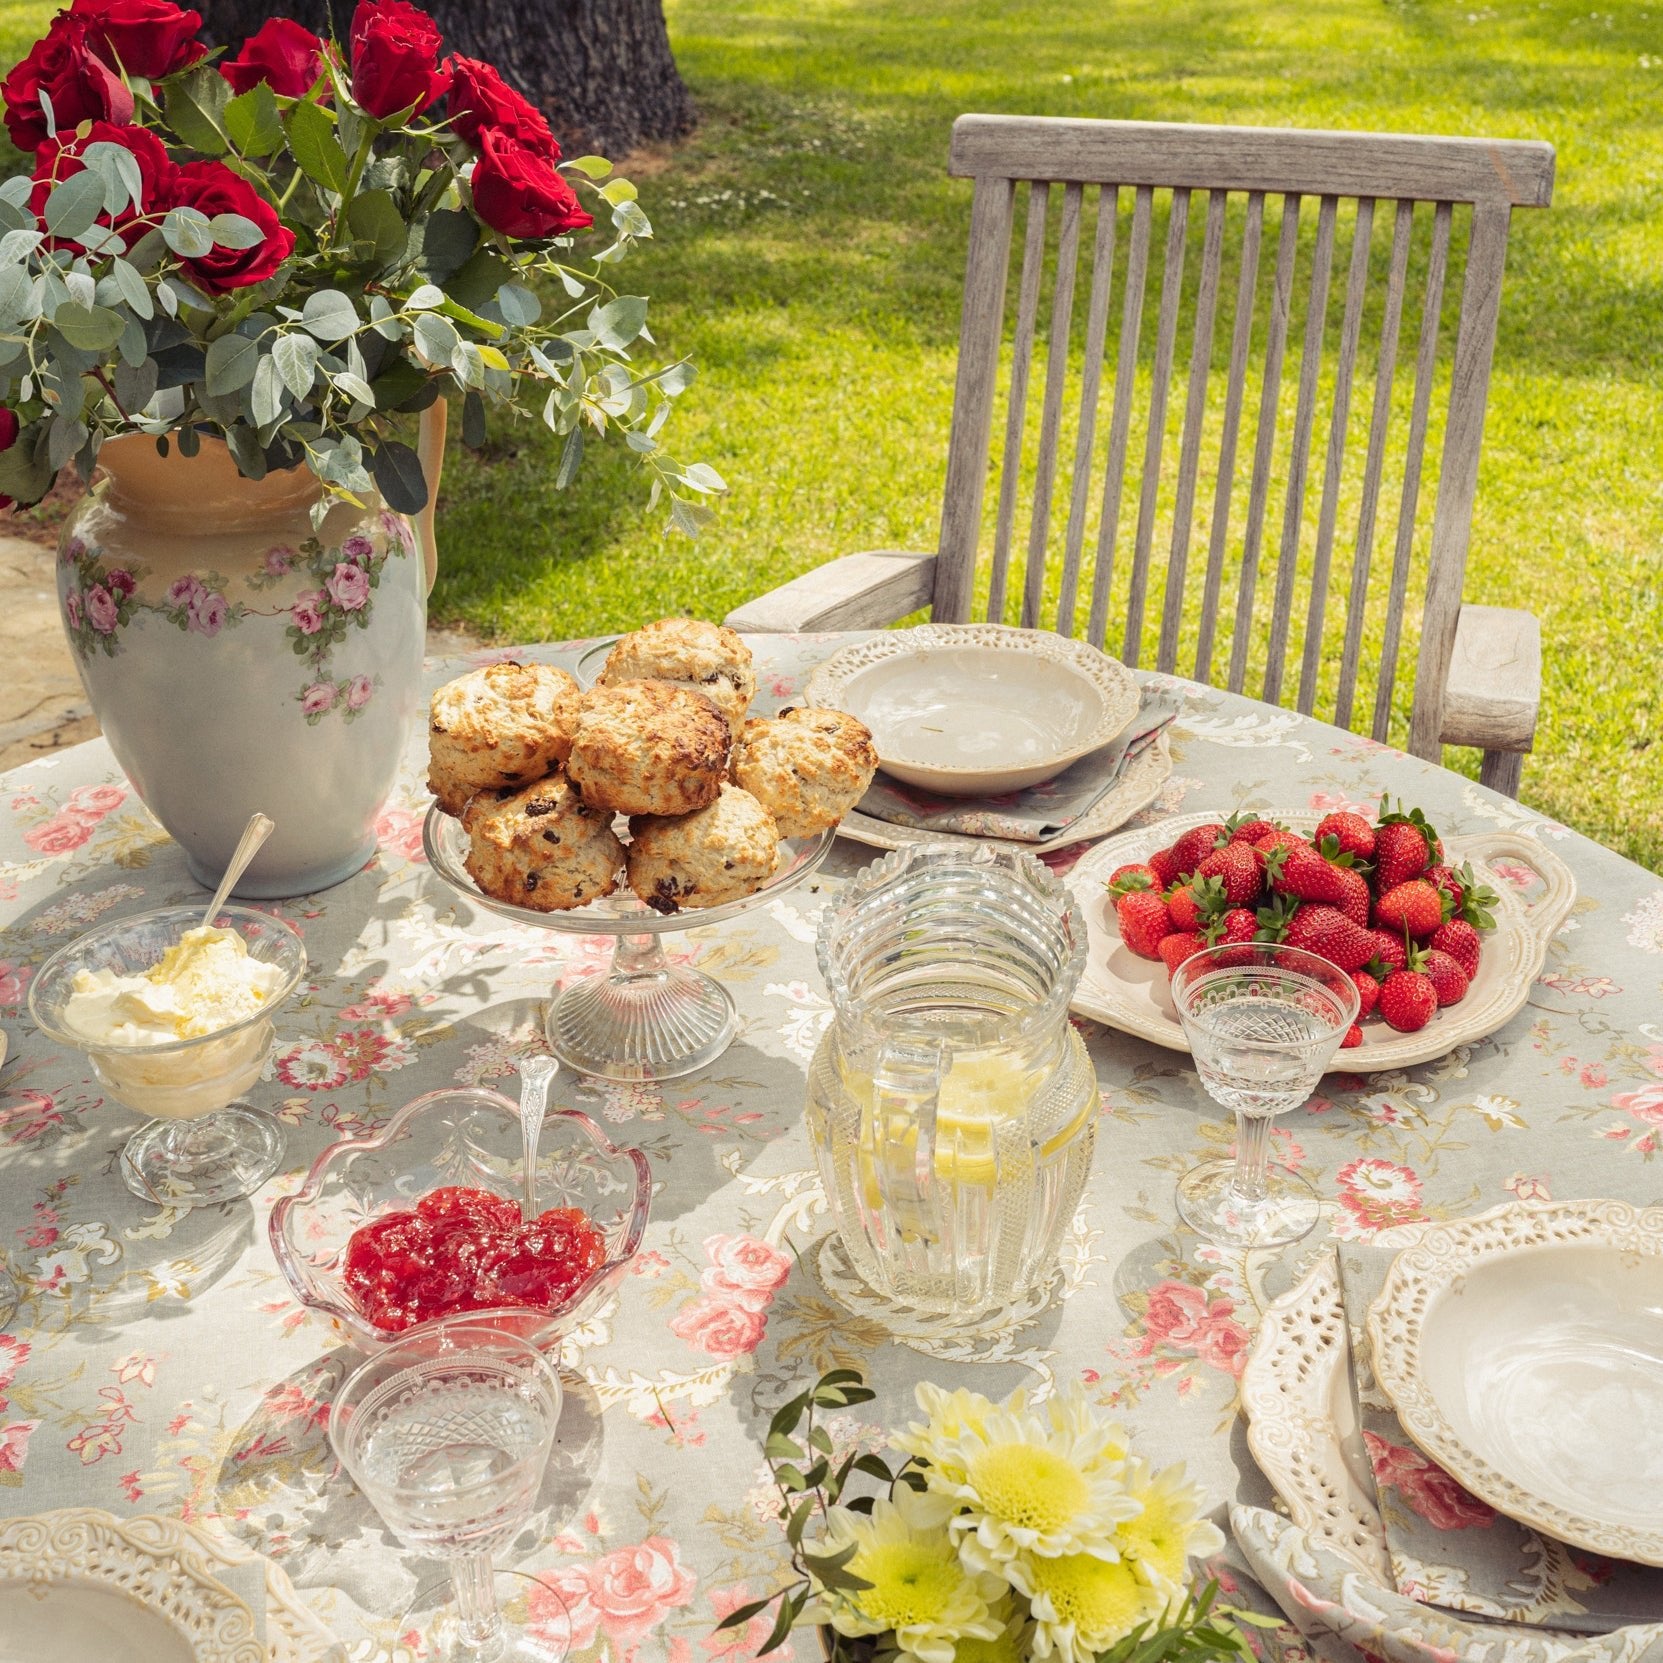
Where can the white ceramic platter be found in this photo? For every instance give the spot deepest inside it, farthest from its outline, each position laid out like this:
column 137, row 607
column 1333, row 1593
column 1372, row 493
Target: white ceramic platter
column 76, row 1586
column 1133, row 792
column 1523, row 1351
column 1131, row 993
column 972, row 710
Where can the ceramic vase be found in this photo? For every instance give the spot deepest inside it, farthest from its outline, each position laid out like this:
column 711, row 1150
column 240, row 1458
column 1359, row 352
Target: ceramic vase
column 238, row 659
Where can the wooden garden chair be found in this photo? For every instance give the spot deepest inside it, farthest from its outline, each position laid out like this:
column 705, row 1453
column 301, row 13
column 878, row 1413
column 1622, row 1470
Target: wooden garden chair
column 1351, row 477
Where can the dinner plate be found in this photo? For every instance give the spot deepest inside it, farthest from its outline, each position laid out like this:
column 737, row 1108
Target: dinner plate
column 1133, row 792
column 1523, row 1351
column 1131, row 993
column 78, row 1586
column 974, row 710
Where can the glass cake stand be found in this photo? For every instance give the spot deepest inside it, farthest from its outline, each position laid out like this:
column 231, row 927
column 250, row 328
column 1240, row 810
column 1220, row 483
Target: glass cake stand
column 644, row 1018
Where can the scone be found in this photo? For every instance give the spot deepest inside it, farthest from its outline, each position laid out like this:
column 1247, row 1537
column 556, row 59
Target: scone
column 542, row 847
column 686, row 652
column 718, row 854
column 504, row 725
column 808, row 768
column 645, row 747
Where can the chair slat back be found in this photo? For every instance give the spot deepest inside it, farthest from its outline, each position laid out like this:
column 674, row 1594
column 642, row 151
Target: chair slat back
column 1240, row 421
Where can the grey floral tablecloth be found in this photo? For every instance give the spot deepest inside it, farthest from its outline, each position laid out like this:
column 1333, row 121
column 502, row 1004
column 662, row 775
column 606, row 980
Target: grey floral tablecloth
column 158, row 1363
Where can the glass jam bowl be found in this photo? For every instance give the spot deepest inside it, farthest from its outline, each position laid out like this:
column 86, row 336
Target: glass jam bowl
column 469, row 1136
column 201, row 1145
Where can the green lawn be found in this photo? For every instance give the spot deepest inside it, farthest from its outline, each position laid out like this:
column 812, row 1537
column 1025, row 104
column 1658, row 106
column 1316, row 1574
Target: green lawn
column 811, row 251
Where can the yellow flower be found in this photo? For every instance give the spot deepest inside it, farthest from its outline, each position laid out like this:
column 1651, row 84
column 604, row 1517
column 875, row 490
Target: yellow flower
column 1046, row 1481
column 919, row 1588
column 1081, row 1604
column 1010, row 1645
column 1170, row 1529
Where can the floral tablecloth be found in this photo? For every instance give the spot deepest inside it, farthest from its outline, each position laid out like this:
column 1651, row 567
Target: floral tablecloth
column 158, row 1363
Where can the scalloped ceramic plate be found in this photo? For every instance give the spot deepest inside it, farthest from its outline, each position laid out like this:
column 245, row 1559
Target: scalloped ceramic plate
column 1523, row 1351
column 1130, row 993
column 975, row 710
column 79, row 1586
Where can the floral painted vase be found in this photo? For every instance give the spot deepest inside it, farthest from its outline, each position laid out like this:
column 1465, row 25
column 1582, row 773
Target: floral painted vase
column 238, row 660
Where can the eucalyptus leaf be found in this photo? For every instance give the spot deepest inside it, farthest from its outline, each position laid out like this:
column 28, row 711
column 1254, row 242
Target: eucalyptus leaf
column 82, row 290
column 74, row 204
column 689, row 517
column 135, row 385
column 92, row 328
column 14, row 218
column 330, row 315
column 354, row 387
column 236, row 230
column 425, row 298
column 188, row 232
column 231, row 362
column 17, row 190
column 266, row 393
column 18, row 245
column 65, row 436
column 118, row 167
column 249, row 452
column 399, row 477
column 571, row 459
column 296, row 360
column 316, row 150
column 619, row 321
column 252, row 121
column 518, row 305
column 435, row 338
column 629, row 221
column 135, row 349
column 148, row 252
column 619, row 190
column 702, row 477
column 473, row 421
column 26, row 471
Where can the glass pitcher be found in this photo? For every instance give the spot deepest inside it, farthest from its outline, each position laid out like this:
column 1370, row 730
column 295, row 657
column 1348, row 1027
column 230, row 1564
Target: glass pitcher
column 951, row 1106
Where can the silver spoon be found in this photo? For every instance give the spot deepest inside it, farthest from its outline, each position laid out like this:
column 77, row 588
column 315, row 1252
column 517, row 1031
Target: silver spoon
column 536, row 1076
column 258, row 829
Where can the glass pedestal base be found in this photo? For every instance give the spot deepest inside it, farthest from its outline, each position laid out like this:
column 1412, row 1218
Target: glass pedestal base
column 642, row 1023
column 1212, row 1206
column 200, row 1163
column 534, row 1624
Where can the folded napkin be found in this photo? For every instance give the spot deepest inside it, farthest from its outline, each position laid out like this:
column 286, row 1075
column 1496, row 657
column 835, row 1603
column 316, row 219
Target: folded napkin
column 1043, row 811
column 1447, row 1547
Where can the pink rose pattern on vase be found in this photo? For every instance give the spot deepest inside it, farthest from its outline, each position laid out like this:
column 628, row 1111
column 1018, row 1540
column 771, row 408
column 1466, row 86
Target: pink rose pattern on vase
column 103, row 600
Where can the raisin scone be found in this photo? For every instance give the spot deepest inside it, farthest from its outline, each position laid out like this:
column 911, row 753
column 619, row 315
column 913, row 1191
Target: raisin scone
column 720, row 853
column 687, row 652
column 645, row 747
column 504, row 725
column 542, row 847
column 808, row 768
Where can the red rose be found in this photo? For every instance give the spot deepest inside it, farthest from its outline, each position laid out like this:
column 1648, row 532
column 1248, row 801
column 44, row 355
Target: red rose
column 60, row 159
column 480, row 99
column 8, row 438
column 212, row 188
column 82, row 87
column 151, row 38
column 520, row 194
column 287, row 57
column 395, row 58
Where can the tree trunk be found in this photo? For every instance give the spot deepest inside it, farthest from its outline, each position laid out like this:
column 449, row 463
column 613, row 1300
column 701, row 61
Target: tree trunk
column 600, row 70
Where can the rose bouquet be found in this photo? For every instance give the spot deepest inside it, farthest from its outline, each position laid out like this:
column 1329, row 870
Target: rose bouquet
column 296, row 246
column 1004, row 1532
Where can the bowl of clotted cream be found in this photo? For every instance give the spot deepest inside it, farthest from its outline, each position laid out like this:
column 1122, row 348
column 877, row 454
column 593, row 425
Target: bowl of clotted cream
column 176, row 1019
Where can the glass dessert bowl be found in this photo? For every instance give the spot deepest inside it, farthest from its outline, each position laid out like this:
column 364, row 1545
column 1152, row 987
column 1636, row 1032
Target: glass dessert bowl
column 178, row 1030
column 468, row 1136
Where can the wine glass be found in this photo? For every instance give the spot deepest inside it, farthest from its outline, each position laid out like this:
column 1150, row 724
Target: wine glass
column 1262, row 1021
column 447, row 1433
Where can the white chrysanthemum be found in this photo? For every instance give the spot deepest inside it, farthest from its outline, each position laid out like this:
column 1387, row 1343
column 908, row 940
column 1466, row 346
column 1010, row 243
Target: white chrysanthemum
column 920, row 1589
column 1081, row 1604
column 1046, row 1481
column 1012, row 1644
column 1169, row 1531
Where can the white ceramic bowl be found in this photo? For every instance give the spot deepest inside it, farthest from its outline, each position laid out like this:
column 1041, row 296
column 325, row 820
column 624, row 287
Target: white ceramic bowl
column 976, row 710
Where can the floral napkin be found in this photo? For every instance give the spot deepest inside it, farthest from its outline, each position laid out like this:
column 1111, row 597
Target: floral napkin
column 1043, row 811
column 1449, row 1548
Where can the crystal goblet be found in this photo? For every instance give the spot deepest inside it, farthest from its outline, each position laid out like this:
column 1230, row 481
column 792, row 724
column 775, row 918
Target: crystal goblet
column 1263, row 1021
column 447, row 1432
column 204, row 1145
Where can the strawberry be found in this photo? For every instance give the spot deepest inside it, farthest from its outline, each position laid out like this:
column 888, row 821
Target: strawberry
column 1353, row 1036
column 1143, row 922
column 1275, row 918
column 1472, row 900
column 1241, row 869
column 1177, row 947
column 1249, row 828
column 1446, row 878
column 1355, row 899
column 1414, row 906
column 1404, row 846
column 1327, row 931
column 1460, row 940
column 1124, row 879
column 1368, row 992
column 1236, row 926
column 1190, row 904
column 1297, row 869
column 1165, row 868
column 1279, row 837
column 1449, row 980
column 1351, row 832
column 1197, row 843
column 1390, row 953
column 1408, row 1000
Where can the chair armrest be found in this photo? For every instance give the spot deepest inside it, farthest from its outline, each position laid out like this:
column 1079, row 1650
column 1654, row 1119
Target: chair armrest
column 1494, row 689
column 859, row 591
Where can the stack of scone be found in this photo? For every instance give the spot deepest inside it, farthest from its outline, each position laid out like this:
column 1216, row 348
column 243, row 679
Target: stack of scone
column 537, row 770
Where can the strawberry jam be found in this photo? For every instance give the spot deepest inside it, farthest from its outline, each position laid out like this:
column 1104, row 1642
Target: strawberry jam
column 468, row 1250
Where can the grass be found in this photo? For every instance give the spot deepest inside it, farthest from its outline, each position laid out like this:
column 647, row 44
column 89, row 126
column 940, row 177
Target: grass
column 810, row 258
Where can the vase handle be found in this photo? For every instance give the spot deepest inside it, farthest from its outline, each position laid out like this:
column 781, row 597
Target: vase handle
column 430, row 452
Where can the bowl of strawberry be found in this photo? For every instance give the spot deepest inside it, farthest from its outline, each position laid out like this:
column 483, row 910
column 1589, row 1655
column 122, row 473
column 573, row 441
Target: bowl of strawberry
column 1442, row 948
column 421, row 1222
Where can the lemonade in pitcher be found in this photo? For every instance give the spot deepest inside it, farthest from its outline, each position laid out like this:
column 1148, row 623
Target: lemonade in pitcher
column 951, row 1106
